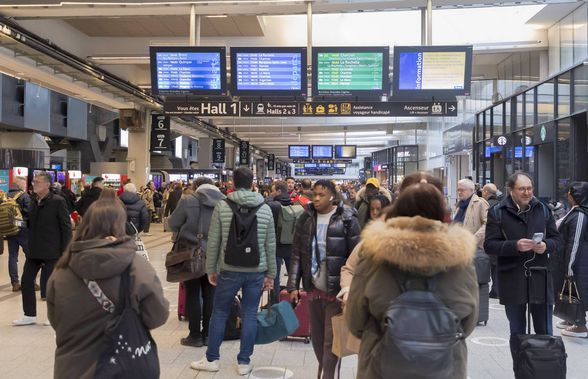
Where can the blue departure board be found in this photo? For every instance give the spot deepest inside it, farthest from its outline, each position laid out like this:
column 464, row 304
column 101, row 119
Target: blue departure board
column 188, row 70
column 322, row 151
column 299, row 151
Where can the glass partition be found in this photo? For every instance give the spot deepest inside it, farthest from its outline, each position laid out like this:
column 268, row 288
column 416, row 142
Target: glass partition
column 564, row 169
column 563, row 94
column 530, row 108
column 545, row 102
column 580, row 88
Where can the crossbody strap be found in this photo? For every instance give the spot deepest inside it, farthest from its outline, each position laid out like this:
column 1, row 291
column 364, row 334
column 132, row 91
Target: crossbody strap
column 100, row 296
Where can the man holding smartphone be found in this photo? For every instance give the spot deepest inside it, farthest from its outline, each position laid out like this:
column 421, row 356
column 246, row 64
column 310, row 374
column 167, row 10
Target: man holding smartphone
column 521, row 232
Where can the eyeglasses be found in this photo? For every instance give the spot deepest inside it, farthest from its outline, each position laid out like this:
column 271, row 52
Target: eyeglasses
column 524, row 189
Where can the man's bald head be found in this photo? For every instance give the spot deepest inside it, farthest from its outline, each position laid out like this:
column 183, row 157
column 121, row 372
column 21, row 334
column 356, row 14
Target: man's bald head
column 489, row 190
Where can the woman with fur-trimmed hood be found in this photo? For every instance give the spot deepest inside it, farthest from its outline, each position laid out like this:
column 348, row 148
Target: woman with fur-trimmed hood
column 414, row 240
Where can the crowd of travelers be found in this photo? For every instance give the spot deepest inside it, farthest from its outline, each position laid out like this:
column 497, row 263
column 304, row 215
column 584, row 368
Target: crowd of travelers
column 356, row 250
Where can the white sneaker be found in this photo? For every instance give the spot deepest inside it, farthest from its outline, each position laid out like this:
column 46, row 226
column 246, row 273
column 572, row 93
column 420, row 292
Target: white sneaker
column 205, row 365
column 562, row 324
column 47, row 323
column 244, row 369
column 575, row 331
column 25, row 320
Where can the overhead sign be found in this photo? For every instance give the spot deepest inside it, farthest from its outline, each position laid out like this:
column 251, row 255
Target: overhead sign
column 160, row 133
column 311, row 109
column 244, row 153
column 271, row 162
column 218, row 150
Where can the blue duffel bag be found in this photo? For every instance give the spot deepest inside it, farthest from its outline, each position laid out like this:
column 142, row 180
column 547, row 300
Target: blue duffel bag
column 275, row 322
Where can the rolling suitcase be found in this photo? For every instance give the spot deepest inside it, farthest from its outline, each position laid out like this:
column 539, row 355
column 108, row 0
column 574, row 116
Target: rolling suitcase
column 302, row 313
column 539, row 356
column 484, row 304
column 182, row 302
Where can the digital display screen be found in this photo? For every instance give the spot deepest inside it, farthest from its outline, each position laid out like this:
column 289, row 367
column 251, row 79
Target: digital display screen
column 319, row 169
column 299, row 151
column 61, row 176
column 345, row 151
column 528, row 151
column 350, row 71
column 432, row 70
column 268, row 70
column 322, row 151
column 188, row 70
column 491, row 150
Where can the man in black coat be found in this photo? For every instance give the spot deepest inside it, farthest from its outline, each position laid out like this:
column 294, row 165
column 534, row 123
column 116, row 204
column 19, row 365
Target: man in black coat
column 510, row 232
column 137, row 212
column 49, row 235
column 90, row 196
column 280, row 196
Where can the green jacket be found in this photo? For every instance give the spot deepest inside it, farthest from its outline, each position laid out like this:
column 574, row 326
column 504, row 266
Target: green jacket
column 219, row 232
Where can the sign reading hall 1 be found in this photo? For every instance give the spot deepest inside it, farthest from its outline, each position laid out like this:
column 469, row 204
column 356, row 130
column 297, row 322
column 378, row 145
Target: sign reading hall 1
column 160, row 133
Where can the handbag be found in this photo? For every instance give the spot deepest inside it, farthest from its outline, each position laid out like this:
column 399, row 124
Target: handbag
column 344, row 343
column 568, row 304
column 186, row 261
column 130, row 351
column 141, row 250
column 275, row 322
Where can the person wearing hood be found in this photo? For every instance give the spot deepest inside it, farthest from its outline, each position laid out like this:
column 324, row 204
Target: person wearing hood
column 573, row 262
column 190, row 218
column 137, row 212
column 412, row 239
column 90, row 195
column 281, row 198
column 228, row 278
column 324, row 238
column 363, row 197
column 100, row 252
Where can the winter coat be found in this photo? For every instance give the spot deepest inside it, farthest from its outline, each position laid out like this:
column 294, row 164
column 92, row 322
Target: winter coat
column 88, row 197
column 79, row 321
column 49, row 228
column 276, row 204
column 194, row 212
column 69, row 197
column 362, row 204
column 137, row 212
column 418, row 246
column 492, row 201
column 147, row 197
column 342, row 236
column 218, row 235
column 475, row 218
column 501, row 240
column 172, row 201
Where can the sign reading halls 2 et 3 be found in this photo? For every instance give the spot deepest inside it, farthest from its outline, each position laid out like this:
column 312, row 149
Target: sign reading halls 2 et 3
column 311, row 109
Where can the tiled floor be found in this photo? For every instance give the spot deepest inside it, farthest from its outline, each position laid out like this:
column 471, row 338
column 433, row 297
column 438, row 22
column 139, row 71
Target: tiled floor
column 27, row 352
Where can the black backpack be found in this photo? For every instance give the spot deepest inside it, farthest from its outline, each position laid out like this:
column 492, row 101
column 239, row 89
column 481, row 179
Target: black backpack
column 420, row 332
column 242, row 244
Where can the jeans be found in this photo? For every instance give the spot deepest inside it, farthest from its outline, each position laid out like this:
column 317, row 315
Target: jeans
column 229, row 283
column 31, row 269
column 194, row 309
column 517, row 318
column 14, row 243
column 276, row 291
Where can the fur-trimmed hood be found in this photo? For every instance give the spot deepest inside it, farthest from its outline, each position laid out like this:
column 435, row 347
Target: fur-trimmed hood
column 417, row 244
column 360, row 196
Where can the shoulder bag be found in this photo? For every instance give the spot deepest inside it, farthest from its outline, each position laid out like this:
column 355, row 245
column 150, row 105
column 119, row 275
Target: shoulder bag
column 186, row 261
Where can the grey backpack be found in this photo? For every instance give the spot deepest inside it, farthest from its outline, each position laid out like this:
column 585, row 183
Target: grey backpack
column 420, row 332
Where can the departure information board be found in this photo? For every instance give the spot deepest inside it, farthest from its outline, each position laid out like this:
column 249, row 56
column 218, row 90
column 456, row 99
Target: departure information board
column 299, row 151
column 268, row 71
column 187, row 70
column 349, row 73
column 322, row 151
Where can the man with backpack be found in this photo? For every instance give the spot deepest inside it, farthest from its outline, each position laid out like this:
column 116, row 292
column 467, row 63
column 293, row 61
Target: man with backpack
column 285, row 213
column 241, row 254
column 23, row 201
column 521, row 232
column 90, row 195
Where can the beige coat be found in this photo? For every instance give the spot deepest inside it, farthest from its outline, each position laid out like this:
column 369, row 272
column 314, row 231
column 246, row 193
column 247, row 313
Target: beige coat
column 475, row 219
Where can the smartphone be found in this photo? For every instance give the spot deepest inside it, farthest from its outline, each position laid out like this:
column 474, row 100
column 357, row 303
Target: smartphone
column 537, row 238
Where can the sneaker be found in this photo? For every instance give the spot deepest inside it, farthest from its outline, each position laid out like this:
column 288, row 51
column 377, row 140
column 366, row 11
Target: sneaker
column 47, row 323
column 205, row 365
column 575, row 331
column 25, row 320
column 16, row 287
column 244, row 369
column 191, row 341
column 563, row 325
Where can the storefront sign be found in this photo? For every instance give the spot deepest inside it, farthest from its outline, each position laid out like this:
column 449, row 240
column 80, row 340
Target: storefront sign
column 218, row 150
column 244, row 153
column 311, row 109
column 544, row 133
column 74, row 174
column 160, row 133
column 4, row 181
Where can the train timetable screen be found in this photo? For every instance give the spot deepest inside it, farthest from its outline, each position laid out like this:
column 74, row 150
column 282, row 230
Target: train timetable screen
column 188, row 71
column 432, row 70
column 268, row 71
column 350, row 71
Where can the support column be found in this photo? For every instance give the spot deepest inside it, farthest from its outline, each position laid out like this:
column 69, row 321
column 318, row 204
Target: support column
column 204, row 153
column 230, row 156
column 139, row 155
column 310, row 69
column 423, row 26
column 429, row 22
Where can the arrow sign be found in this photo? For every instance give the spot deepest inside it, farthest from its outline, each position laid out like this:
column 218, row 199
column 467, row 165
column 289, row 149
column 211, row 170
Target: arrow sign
column 452, row 108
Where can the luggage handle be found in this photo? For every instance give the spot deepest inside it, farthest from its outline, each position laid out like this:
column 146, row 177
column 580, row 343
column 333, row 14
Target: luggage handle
column 528, row 274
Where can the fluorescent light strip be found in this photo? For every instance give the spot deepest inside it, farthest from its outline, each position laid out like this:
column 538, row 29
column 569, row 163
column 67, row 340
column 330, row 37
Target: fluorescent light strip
column 164, row 3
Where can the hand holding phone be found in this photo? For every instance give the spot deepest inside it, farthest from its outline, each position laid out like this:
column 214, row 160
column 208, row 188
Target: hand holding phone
column 537, row 238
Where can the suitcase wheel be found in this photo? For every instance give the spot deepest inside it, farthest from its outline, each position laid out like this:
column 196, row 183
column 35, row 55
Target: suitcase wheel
column 485, row 323
column 306, row 340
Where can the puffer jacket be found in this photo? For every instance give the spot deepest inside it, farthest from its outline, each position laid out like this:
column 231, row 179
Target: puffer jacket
column 218, row 235
column 342, row 236
column 421, row 247
column 194, row 212
column 136, row 210
column 363, row 206
column 79, row 321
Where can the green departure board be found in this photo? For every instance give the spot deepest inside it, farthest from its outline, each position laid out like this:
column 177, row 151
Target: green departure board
column 349, row 71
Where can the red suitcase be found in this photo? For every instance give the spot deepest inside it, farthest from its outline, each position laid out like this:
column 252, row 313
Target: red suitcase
column 302, row 313
column 182, row 302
